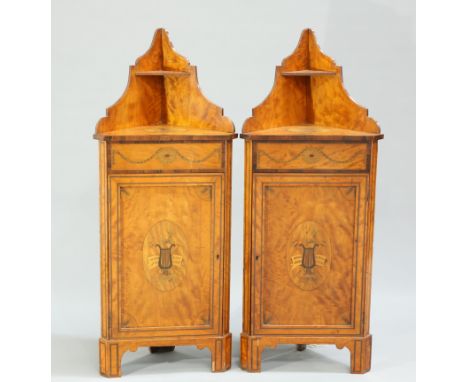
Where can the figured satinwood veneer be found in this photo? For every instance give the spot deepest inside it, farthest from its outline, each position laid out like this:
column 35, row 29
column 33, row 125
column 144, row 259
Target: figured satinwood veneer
column 310, row 167
column 163, row 90
column 165, row 199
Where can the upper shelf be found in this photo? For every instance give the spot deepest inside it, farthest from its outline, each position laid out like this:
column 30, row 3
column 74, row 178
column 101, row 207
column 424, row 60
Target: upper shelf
column 315, row 98
column 173, row 73
column 163, row 100
column 308, row 73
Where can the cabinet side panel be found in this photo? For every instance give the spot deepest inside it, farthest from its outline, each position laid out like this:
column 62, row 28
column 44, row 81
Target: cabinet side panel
column 369, row 241
column 247, row 290
column 103, row 202
column 227, row 235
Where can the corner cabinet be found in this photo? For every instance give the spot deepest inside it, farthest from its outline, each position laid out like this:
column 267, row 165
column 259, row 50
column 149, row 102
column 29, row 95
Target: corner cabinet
column 165, row 192
column 310, row 167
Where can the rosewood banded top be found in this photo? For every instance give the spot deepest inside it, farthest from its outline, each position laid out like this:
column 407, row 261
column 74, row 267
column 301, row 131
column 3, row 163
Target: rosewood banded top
column 310, row 132
column 164, row 133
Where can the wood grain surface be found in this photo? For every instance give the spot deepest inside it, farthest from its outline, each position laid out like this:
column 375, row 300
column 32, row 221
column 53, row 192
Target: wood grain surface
column 157, row 99
column 309, row 99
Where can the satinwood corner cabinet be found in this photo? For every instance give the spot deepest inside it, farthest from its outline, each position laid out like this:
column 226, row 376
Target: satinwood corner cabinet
column 165, row 201
column 310, row 168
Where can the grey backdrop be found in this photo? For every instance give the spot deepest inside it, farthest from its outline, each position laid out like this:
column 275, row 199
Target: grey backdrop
column 236, row 46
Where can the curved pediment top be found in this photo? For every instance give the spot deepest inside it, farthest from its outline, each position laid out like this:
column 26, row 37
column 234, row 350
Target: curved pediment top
column 308, row 90
column 308, row 56
column 163, row 90
column 161, row 55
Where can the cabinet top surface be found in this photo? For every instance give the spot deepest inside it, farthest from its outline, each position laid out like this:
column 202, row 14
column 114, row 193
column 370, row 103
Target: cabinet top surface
column 310, row 132
column 163, row 132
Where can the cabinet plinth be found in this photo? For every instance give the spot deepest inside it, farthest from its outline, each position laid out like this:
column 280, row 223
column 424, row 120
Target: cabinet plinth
column 310, row 168
column 165, row 201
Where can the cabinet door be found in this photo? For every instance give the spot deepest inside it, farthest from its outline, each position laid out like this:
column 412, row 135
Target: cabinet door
column 166, row 253
column 308, row 252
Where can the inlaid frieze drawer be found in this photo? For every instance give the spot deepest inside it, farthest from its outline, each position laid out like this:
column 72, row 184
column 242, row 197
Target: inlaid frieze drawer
column 166, row 156
column 311, row 156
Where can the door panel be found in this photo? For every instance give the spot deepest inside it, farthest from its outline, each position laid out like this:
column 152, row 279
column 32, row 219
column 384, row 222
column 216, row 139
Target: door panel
column 308, row 249
column 165, row 254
